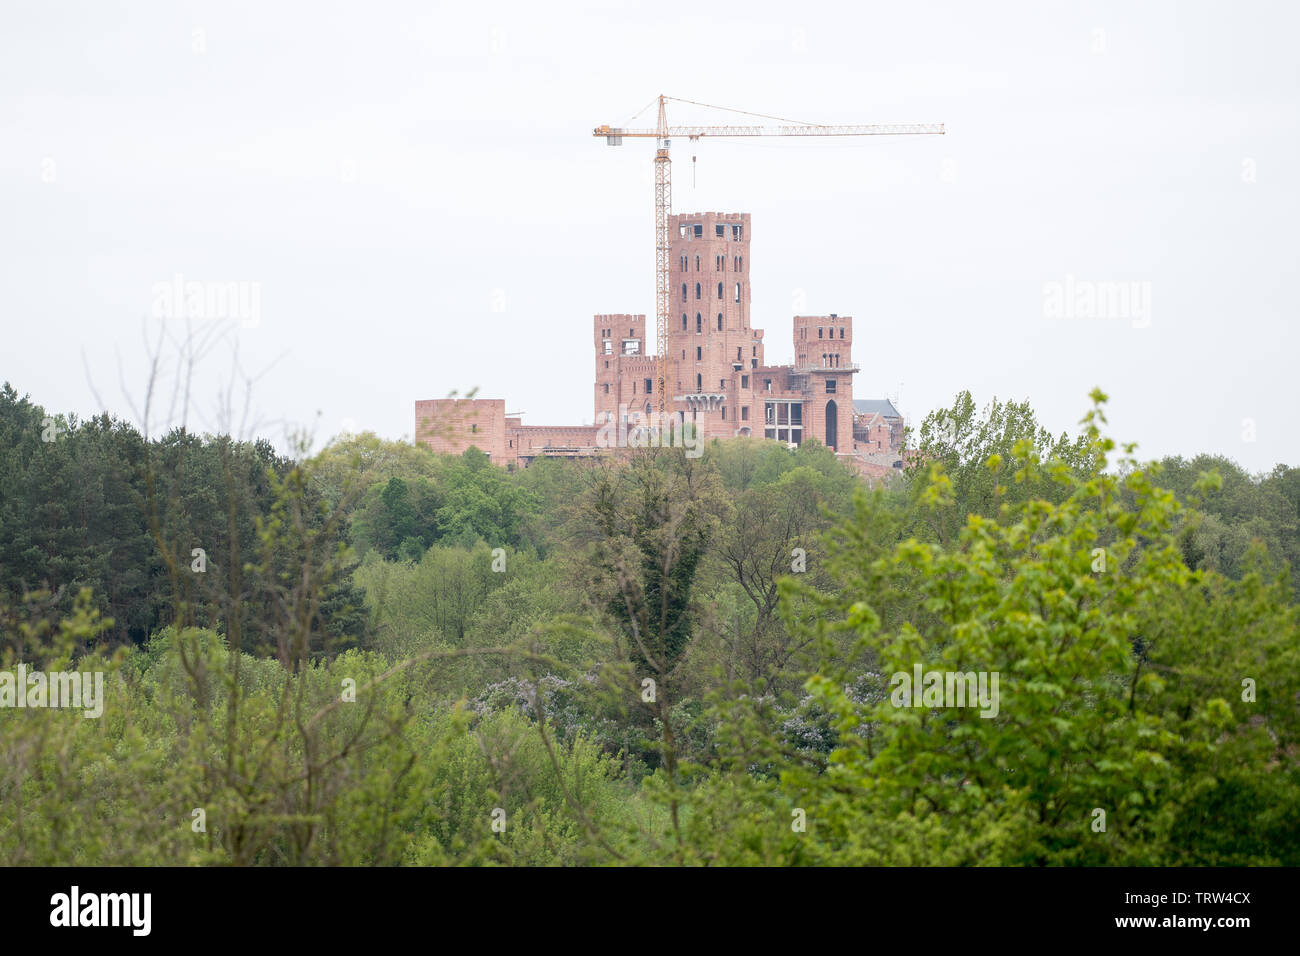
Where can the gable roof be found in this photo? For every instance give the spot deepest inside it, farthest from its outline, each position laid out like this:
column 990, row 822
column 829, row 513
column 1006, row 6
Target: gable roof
column 879, row 406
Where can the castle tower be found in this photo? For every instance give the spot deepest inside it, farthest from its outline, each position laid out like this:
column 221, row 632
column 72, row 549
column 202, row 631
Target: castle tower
column 624, row 372
column 823, row 371
column 710, row 334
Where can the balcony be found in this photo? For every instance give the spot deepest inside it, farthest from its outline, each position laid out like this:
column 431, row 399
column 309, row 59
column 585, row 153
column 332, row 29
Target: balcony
column 805, row 369
column 703, row 399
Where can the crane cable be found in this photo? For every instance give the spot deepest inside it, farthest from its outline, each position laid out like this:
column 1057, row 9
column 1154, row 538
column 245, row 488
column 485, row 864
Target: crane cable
column 729, row 109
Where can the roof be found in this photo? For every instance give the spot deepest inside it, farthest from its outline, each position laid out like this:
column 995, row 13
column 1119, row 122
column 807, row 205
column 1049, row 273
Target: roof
column 878, row 406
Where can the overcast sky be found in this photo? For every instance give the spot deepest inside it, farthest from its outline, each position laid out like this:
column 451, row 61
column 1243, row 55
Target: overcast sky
column 415, row 189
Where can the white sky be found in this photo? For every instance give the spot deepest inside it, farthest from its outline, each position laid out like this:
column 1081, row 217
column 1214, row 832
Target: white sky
column 388, row 172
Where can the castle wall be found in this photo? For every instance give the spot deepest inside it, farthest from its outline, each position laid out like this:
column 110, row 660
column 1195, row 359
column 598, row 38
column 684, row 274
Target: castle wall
column 451, row 425
column 566, row 441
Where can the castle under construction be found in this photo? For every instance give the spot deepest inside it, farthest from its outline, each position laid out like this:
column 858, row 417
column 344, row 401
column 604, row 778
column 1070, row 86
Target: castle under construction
column 717, row 373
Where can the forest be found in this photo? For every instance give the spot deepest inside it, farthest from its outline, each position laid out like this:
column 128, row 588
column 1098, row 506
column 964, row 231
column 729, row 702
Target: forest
column 371, row 654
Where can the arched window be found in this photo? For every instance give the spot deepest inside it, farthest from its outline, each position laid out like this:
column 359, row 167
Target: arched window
column 683, row 291
column 697, row 263
column 719, row 290
column 719, row 321
column 697, row 290
column 832, row 425
column 683, row 321
column 699, row 383
column 737, row 291
column 699, row 323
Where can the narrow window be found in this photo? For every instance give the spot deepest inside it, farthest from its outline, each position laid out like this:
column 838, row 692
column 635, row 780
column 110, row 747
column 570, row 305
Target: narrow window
column 819, row 331
column 699, row 383
column 699, row 323
column 841, row 333
column 737, row 291
column 648, row 383
column 683, row 291
column 719, row 290
column 683, row 321
column 724, row 413
column 719, row 321
column 744, row 413
column 699, row 353
column 697, row 290
column 744, row 381
column 697, row 263
column 606, row 388
column 717, row 230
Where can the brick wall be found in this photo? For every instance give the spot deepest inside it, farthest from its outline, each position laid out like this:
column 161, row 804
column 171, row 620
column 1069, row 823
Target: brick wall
column 451, row 425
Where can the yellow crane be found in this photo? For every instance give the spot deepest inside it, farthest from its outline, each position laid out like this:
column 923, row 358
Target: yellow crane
column 664, row 133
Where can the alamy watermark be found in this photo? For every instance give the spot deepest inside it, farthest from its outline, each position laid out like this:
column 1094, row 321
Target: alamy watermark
column 179, row 299
column 76, row 690
column 946, row 689
column 75, row 908
column 1085, row 299
column 634, row 429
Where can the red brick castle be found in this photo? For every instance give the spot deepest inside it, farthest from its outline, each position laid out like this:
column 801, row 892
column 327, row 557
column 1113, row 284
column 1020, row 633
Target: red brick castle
column 718, row 376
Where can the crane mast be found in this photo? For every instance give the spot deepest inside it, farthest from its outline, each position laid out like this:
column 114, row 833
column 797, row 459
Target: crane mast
column 662, row 134
column 663, row 209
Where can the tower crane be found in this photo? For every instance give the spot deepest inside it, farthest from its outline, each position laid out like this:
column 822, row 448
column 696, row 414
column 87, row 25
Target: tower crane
column 663, row 134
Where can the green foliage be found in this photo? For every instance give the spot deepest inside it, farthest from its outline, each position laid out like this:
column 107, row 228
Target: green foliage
column 401, row 658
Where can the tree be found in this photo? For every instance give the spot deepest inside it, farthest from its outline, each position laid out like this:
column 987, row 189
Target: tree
column 1086, row 640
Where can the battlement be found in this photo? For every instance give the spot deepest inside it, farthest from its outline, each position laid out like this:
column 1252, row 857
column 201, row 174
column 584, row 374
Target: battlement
column 619, row 334
column 810, row 327
column 731, row 227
